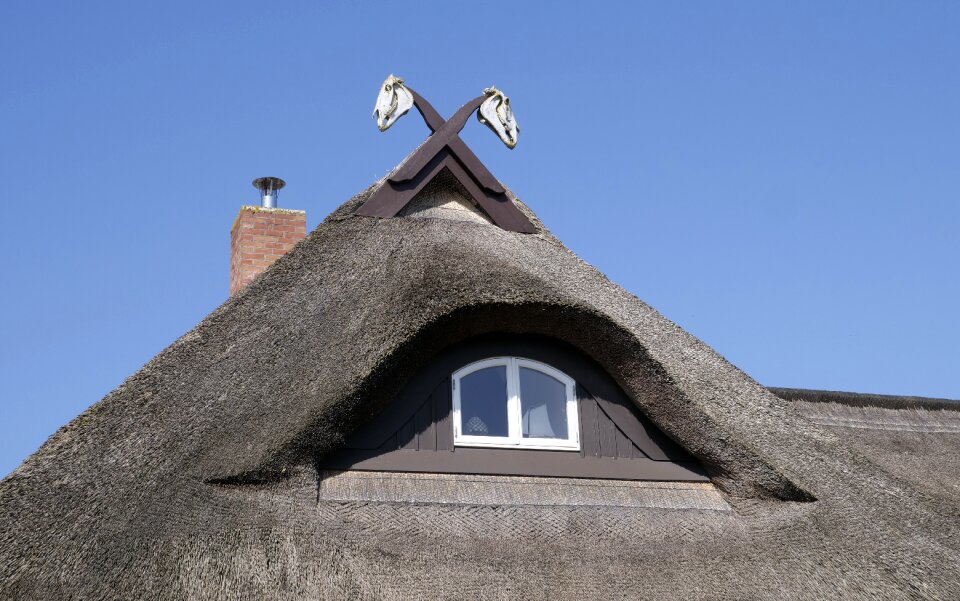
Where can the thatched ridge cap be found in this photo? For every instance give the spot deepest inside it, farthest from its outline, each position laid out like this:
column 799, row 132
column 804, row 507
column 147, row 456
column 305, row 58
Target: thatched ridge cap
column 860, row 399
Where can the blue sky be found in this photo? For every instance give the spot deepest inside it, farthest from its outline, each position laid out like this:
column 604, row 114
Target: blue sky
column 780, row 179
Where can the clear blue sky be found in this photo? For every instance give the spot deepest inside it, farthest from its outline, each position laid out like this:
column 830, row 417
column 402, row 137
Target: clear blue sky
column 781, row 179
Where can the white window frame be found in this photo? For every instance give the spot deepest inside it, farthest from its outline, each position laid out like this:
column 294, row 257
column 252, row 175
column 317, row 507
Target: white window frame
column 515, row 439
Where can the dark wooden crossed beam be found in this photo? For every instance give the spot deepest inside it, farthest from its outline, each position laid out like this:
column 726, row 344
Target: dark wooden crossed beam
column 444, row 148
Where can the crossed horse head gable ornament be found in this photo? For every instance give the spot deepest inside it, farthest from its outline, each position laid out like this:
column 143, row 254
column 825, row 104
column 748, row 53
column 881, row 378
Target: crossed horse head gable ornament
column 395, row 100
column 445, row 150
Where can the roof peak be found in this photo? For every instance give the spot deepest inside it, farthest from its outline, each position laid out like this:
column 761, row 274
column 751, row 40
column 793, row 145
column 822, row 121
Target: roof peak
column 444, row 150
column 445, row 198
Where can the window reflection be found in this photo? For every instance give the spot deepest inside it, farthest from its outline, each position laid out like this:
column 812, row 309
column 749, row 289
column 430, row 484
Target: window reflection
column 483, row 402
column 543, row 405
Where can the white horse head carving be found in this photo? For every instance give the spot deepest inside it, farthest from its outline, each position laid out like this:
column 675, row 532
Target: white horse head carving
column 495, row 113
column 393, row 102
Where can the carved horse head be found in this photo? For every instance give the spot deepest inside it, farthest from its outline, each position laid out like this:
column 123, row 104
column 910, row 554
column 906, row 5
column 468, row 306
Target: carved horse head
column 393, row 102
column 495, row 113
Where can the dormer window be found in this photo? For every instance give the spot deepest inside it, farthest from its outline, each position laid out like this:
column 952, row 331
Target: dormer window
column 510, row 402
column 515, row 407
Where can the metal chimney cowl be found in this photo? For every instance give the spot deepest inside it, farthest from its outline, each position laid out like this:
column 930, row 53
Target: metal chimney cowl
column 269, row 190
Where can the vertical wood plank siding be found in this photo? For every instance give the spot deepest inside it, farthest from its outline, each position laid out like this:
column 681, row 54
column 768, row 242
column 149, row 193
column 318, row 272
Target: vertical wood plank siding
column 615, row 438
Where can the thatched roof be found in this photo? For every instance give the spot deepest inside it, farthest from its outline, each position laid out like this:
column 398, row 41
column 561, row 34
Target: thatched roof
column 195, row 478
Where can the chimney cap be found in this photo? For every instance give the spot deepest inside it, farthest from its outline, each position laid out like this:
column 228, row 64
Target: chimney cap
column 267, row 184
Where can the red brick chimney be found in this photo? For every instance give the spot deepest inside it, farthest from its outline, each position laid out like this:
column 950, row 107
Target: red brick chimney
column 261, row 235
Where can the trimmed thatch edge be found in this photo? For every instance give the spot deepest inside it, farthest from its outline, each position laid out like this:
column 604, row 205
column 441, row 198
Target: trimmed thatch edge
column 859, row 399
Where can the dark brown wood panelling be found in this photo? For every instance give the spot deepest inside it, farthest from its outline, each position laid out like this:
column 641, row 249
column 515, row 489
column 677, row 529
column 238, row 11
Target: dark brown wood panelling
column 608, row 435
column 415, row 431
column 426, row 434
column 442, row 401
column 625, row 447
column 508, row 462
column 589, row 428
column 407, row 435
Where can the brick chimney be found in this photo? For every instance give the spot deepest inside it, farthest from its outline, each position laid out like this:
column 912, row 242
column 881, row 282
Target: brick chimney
column 261, row 235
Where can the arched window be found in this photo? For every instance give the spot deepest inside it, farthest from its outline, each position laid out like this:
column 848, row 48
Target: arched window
column 512, row 402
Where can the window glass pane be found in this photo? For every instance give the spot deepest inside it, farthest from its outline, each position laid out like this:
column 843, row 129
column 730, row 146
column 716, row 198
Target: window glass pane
column 483, row 402
column 543, row 405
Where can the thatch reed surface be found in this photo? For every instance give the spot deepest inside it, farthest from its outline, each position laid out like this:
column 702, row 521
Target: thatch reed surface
column 859, row 399
column 194, row 479
column 513, row 491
